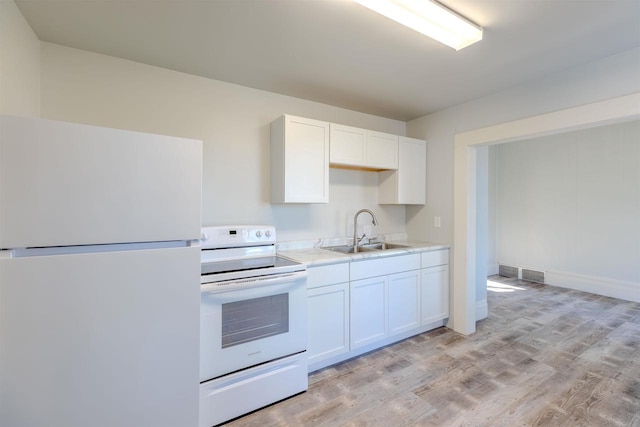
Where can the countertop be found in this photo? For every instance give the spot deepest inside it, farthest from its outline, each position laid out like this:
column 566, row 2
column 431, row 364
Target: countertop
column 317, row 256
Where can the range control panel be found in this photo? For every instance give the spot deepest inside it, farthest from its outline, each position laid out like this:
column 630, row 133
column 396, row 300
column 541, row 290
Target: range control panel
column 237, row 236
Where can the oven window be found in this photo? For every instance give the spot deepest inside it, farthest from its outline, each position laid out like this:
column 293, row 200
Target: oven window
column 254, row 319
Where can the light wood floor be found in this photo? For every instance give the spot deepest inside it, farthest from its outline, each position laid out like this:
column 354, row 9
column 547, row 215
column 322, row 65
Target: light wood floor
column 545, row 356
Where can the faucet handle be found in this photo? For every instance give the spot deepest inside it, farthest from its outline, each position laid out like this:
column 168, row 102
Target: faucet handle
column 361, row 238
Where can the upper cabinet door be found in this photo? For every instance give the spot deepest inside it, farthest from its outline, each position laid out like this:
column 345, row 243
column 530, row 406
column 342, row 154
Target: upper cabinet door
column 348, row 145
column 407, row 185
column 299, row 160
column 361, row 148
column 382, row 150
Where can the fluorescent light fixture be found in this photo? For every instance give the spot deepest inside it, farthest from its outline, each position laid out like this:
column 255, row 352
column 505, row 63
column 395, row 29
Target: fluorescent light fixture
column 429, row 18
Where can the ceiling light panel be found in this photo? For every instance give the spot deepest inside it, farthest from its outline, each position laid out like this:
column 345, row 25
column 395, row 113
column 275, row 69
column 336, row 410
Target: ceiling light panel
column 429, row 18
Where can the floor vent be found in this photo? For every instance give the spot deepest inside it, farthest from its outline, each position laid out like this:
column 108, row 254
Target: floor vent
column 533, row 276
column 506, row 271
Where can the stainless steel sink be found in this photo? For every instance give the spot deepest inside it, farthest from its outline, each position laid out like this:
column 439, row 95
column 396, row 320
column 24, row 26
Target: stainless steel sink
column 349, row 249
column 386, row 246
column 342, row 249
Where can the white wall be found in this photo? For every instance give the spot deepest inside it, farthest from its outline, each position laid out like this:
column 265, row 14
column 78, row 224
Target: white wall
column 606, row 78
column 570, row 204
column 19, row 64
column 438, row 129
column 233, row 121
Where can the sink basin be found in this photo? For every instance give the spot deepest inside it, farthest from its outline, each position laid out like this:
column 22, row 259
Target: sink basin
column 348, row 249
column 385, row 246
column 342, row 249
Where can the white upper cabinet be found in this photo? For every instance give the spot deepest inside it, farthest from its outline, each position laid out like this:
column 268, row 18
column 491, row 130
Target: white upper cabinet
column 303, row 149
column 299, row 160
column 361, row 148
column 407, row 185
column 382, row 150
column 348, row 145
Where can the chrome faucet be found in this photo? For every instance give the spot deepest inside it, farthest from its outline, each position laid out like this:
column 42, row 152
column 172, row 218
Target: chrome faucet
column 355, row 227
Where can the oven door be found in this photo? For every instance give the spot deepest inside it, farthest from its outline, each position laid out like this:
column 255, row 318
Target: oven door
column 247, row 322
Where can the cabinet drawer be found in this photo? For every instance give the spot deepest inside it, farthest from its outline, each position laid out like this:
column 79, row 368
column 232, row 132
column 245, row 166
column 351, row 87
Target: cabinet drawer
column 327, row 275
column 433, row 258
column 383, row 266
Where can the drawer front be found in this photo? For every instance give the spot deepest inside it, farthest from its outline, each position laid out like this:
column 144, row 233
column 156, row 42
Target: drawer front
column 327, row 275
column 434, row 258
column 383, row 266
column 236, row 394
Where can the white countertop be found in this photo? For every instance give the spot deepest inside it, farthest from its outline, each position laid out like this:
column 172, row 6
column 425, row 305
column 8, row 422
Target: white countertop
column 316, row 256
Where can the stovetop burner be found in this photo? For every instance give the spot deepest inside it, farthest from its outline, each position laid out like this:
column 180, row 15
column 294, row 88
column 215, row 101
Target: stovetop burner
column 244, row 264
column 240, row 252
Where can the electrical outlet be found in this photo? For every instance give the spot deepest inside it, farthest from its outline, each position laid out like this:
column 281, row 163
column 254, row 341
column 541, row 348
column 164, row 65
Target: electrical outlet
column 436, row 222
column 368, row 230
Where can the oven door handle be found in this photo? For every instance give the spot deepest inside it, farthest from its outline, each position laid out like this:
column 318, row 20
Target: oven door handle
column 253, row 282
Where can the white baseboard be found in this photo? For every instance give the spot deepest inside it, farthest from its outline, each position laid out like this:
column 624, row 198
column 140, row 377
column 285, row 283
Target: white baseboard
column 482, row 310
column 629, row 291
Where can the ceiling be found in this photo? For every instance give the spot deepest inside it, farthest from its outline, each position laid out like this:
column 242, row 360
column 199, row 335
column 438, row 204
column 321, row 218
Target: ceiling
column 339, row 53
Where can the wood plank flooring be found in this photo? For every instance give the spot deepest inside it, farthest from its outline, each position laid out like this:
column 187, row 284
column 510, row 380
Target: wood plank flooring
column 545, row 356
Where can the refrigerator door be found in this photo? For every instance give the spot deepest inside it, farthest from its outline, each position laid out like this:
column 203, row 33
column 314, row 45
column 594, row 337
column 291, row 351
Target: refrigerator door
column 100, row 339
column 67, row 184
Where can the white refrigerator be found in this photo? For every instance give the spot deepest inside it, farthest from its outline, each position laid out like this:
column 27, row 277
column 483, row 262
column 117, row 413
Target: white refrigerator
column 99, row 276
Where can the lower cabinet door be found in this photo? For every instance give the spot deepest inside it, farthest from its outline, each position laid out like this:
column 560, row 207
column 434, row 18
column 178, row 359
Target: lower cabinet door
column 368, row 311
column 328, row 328
column 435, row 294
column 404, row 301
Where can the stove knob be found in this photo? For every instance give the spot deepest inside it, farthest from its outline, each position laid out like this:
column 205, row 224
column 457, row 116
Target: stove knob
column 267, row 233
column 258, row 234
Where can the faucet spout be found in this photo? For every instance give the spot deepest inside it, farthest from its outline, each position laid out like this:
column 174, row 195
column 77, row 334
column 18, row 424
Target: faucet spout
column 355, row 226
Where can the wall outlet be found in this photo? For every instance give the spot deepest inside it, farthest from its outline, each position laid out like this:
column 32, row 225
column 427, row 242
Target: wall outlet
column 436, row 222
column 368, row 230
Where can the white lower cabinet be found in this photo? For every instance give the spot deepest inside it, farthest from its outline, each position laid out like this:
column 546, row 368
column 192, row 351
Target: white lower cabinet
column 403, row 293
column 328, row 311
column 358, row 306
column 368, row 311
column 384, row 306
column 435, row 294
column 435, row 286
column 388, row 303
column 328, row 322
